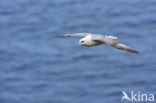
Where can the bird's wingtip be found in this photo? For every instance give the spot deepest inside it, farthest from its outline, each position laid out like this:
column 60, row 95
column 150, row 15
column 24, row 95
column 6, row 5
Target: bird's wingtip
column 137, row 52
column 132, row 50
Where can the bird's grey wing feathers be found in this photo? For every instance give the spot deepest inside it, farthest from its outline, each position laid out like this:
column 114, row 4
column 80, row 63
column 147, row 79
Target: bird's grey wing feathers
column 73, row 35
column 110, row 40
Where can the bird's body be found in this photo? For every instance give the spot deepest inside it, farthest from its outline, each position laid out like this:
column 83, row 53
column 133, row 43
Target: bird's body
column 89, row 42
column 97, row 39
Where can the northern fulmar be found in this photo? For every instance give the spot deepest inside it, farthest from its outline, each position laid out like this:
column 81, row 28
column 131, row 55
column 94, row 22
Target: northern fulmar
column 90, row 39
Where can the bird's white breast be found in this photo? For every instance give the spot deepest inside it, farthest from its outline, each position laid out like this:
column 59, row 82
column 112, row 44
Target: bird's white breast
column 90, row 42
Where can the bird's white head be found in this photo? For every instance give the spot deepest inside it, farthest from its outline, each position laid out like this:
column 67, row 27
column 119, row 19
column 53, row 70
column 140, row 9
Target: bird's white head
column 81, row 42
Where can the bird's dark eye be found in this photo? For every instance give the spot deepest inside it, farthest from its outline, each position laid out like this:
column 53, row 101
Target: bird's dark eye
column 82, row 41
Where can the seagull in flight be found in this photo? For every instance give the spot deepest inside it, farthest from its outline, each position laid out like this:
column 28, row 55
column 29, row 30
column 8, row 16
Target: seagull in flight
column 90, row 40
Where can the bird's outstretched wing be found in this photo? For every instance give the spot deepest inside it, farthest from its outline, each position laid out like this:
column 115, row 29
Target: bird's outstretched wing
column 111, row 40
column 73, row 35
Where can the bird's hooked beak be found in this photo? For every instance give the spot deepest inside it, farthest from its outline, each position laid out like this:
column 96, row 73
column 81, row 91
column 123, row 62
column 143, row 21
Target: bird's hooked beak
column 78, row 45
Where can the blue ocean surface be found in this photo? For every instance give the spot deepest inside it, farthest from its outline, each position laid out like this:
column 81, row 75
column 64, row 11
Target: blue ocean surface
column 36, row 67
